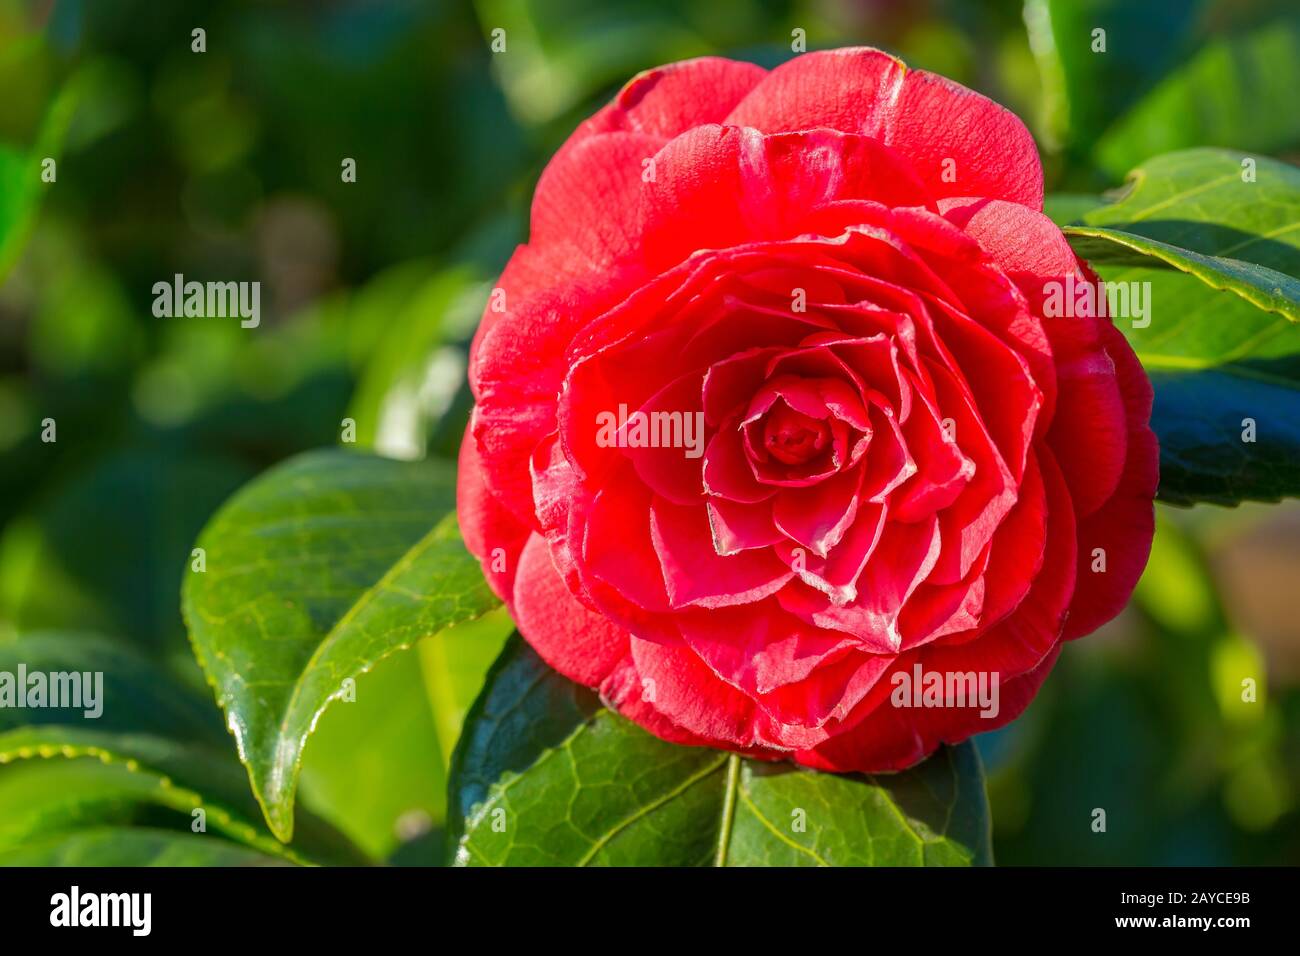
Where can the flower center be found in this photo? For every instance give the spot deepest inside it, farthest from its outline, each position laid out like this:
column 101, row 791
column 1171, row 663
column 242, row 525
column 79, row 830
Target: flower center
column 792, row 437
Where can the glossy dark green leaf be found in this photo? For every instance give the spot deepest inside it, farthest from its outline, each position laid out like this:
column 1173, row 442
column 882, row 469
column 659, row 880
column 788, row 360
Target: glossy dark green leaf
column 377, row 768
column 544, row 775
column 314, row 572
column 1235, row 227
column 62, row 779
column 1221, row 255
column 138, row 696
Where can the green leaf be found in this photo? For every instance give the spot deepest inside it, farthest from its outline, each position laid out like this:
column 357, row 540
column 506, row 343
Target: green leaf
column 137, row 744
column 555, row 63
column 1065, row 208
column 544, row 775
column 315, row 572
column 161, row 499
column 1222, row 347
column 1194, row 211
column 63, row 779
column 455, row 664
column 137, row 695
column 21, row 187
column 1238, row 91
column 1263, row 287
column 1083, row 88
column 375, row 768
column 124, row 846
column 411, row 376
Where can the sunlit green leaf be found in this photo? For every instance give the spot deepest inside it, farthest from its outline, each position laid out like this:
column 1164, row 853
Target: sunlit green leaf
column 314, row 572
column 1217, row 243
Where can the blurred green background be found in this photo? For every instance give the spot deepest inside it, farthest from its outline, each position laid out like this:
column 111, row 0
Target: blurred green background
column 226, row 165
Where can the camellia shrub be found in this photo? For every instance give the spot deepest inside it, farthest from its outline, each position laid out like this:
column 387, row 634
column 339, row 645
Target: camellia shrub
column 806, row 439
column 802, row 438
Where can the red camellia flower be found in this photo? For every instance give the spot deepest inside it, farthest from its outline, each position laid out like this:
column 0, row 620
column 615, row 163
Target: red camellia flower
column 770, row 421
